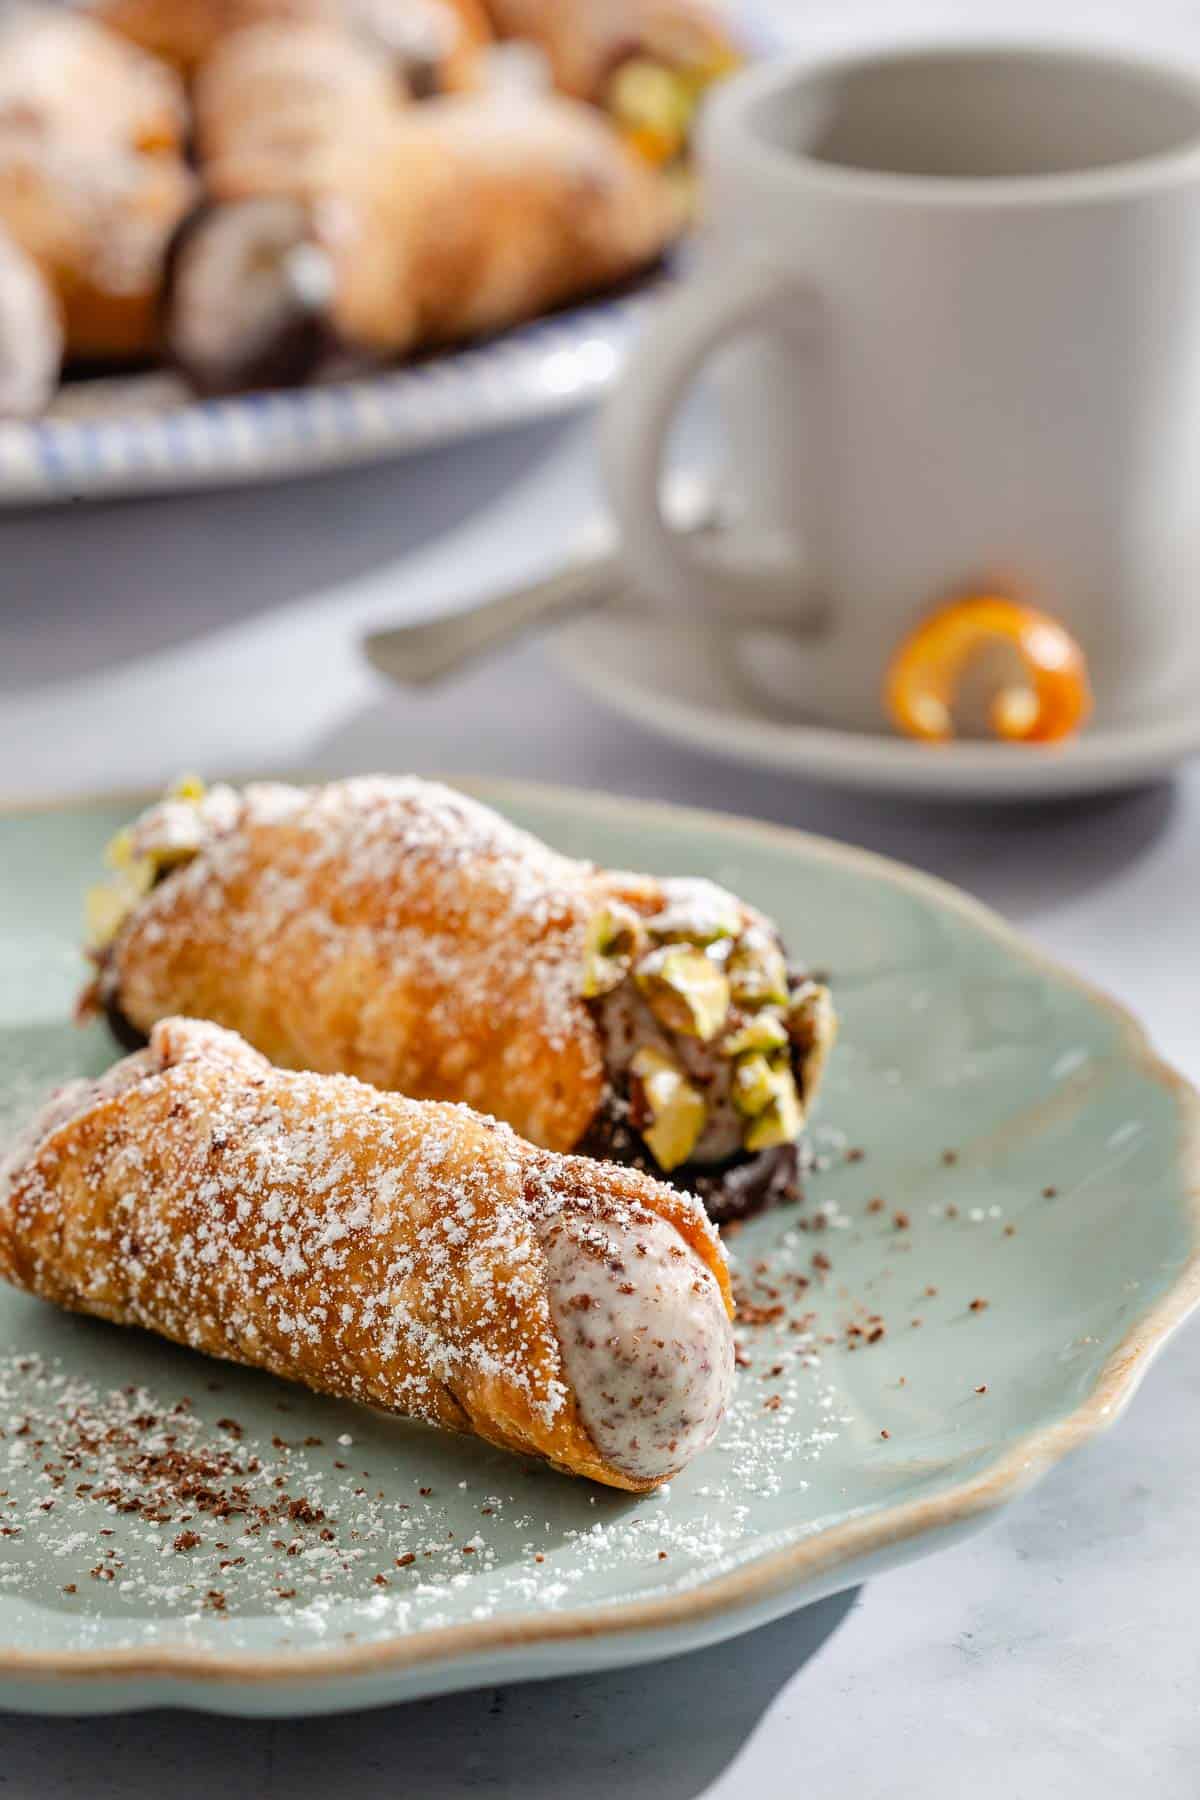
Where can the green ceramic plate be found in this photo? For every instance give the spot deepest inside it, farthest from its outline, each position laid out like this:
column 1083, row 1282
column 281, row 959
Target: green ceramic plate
column 994, row 1132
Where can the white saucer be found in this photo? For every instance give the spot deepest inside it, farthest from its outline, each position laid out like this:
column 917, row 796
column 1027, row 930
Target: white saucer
column 674, row 679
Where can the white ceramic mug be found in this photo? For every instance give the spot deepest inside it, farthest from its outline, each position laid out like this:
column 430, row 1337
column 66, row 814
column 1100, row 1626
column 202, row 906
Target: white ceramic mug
column 965, row 289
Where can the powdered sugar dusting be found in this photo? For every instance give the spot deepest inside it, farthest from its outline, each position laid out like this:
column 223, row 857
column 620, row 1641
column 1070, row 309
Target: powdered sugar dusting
column 341, row 1524
column 64, row 1103
column 418, row 1529
column 387, row 927
column 375, row 1247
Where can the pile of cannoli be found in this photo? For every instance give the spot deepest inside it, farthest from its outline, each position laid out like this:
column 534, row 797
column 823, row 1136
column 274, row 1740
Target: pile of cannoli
column 421, row 1113
column 270, row 192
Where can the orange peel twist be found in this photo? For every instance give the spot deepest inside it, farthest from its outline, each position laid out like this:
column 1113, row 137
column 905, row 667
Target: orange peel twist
column 1052, row 702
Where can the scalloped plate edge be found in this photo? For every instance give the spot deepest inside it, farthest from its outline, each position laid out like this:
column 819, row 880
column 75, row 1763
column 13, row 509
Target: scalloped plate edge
column 461, row 1656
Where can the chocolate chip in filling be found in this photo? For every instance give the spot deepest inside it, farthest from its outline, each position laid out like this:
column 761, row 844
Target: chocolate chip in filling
column 644, row 1337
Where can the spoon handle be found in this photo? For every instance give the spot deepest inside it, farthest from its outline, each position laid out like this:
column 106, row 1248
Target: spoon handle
column 430, row 649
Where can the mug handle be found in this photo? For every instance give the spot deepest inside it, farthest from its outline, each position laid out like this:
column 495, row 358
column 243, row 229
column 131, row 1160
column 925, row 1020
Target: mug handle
column 637, row 419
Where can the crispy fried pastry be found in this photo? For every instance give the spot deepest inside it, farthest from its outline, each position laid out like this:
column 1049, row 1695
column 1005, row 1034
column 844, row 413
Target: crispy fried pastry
column 98, row 224
column 459, row 218
column 63, row 76
column 647, row 62
column 432, row 44
column 405, row 1254
column 288, row 89
column 398, row 931
column 92, row 179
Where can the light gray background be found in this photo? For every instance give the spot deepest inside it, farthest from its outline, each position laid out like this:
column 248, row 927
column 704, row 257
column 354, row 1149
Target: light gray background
column 1054, row 1655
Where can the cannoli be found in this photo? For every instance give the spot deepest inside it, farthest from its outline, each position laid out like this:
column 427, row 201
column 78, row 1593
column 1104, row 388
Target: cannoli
column 249, row 297
column 287, row 89
column 487, row 212
column 432, row 44
column 396, row 930
column 98, row 223
column 63, row 76
column 466, row 217
column 30, row 335
column 647, row 62
column 409, row 1255
column 251, row 289
column 92, row 179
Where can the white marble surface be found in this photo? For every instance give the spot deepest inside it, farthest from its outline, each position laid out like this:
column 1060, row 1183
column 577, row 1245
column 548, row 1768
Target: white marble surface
column 1053, row 1655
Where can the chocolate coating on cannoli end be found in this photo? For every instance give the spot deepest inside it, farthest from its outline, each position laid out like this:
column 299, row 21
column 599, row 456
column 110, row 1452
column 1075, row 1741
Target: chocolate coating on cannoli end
column 246, row 297
column 736, row 1189
column 748, row 1185
column 105, row 994
column 733, row 1180
column 126, row 1033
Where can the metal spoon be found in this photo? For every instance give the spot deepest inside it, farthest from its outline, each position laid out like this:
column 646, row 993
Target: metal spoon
column 431, row 649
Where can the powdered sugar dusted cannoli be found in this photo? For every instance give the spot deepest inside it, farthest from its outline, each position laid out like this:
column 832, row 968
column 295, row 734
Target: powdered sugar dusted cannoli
column 411, row 1255
column 399, row 931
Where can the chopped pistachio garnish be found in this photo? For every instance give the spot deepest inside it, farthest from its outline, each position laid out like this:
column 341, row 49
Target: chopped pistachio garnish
column 172, row 832
column 187, row 787
column 757, row 972
column 781, row 1120
column 766, row 1031
column 614, row 937
column 677, row 1111
column 170, row 856
column 652, row 106
column 118, row 852
column 138, row 863
column 108, row 905
column 684, row 989
column 754, row 1084
column 696, row 913
column 812, row 1026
